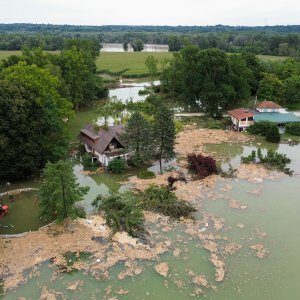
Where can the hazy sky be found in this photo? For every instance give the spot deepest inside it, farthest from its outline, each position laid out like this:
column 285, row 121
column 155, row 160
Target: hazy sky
column 151, row 12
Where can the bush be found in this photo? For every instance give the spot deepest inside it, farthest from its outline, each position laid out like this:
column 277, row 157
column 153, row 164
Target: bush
column 117, row 165
column 163, row 201
column 272, row 134
column 273, row 159
column 146, row 174
column 80, row 212
column 89, row 164
column 260, row 128
column 122, row 213
column 293, row 128
column 201, row 166
column 178, row 125
column 268, row 129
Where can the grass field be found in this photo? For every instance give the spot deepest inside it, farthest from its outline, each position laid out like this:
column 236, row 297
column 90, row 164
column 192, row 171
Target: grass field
column 127, row 63
column 131, row 64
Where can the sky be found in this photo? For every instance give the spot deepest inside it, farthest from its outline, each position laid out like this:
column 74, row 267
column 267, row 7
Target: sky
column 151, row 12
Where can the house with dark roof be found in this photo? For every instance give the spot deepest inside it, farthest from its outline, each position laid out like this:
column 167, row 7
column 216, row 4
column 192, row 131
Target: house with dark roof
column 241, row 118
column 104, row 144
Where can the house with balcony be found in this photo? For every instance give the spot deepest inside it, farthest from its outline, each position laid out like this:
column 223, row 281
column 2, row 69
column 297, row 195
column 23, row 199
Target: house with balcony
column 103, row 144
column 241, row 118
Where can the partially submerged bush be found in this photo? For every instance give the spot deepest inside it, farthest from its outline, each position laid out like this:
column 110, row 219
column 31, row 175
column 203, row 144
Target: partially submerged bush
column 121, row 212
column 202, row 166
column 146, row 174
column 273, row 160
column 164, row 201
column 117, row 165
column 89, row 164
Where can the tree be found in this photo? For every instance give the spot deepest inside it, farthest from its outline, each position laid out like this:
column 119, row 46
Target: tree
column 125, row 46
column 32, row 126
column 151, row 64
column 271, row 88
column 292, row 89
column 137, row 45
column 175, row 43
column 138, row 137
column 164, row 134
column 60, row 191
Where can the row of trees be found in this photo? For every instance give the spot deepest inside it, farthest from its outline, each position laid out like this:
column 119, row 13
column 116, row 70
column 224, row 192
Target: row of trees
column 215, row 81
column 38, row 93
column 284, row 41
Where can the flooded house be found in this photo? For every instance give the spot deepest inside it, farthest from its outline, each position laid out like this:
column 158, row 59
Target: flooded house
column 270, row 111
column 103, row 144
column 241, row 118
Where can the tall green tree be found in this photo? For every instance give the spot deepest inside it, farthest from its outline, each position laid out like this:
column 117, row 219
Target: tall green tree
column 164, row 134
column 60, row 191
column 292, row 89
column 138, row 137
column 271, row 88
column 175, row 43
column 33, row 125
column 137, row 45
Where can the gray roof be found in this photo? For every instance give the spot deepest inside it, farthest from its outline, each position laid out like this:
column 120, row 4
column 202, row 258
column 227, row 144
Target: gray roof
column 99, row 140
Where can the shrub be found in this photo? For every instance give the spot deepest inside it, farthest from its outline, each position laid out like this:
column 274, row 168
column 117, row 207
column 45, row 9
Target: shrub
column 88, row 163
column 260, row 128
column 272, row 134
column 80, row 212
column 117, row 165
column 163, row 201
column 122, row 213
column 146, row 174
column 293, row 128
column 249, row 159
column 273, row 159
column 178, row 125
column 201, row 166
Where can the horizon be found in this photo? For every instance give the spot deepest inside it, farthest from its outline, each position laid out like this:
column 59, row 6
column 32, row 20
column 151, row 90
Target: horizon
column 145, row 25
column 154, row 13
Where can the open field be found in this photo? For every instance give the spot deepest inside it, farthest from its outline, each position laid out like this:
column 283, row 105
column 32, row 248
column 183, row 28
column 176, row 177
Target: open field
column 127, row 63
column 131, row 64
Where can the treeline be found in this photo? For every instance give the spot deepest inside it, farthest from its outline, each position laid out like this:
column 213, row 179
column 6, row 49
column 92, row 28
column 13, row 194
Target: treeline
column 214, row 81
column 27, row 27
column 268, row 40
column 38, row 95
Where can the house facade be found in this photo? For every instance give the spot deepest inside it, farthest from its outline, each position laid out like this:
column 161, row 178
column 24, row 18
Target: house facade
column 103, row 144
column 241, row 119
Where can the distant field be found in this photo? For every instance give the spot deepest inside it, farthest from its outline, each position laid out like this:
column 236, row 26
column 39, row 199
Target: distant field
column 272, row 58
column 5, row 54
column 131, row 64
column 127, row 63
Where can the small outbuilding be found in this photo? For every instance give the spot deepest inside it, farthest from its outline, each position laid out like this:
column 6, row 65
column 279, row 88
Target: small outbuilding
column 104, row 144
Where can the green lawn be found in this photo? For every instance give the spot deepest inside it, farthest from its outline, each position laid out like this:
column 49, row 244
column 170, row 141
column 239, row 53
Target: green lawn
column 127, row 63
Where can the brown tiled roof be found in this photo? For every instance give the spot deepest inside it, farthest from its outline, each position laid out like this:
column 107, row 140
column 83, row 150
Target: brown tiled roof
column 101, row 139
column 268, row 104
column 240, row 113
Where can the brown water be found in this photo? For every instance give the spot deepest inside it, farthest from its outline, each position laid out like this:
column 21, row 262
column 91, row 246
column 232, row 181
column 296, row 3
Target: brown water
column 275, row 211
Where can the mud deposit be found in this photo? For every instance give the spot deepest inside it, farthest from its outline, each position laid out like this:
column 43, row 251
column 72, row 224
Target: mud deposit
column 243, row 233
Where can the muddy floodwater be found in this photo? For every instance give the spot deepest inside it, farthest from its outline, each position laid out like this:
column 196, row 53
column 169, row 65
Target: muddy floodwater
column 267, row 223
